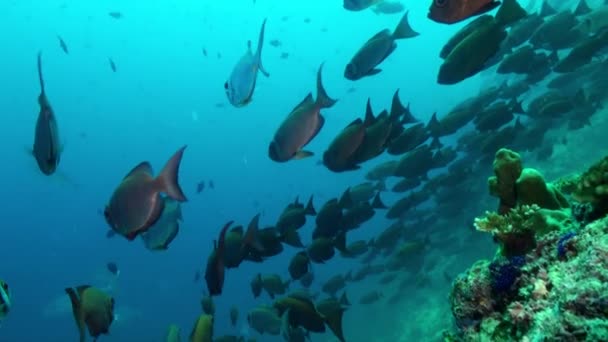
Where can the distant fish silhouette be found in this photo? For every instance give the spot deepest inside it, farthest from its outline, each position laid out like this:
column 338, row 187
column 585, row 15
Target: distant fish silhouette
column 112, row 64
column 63, row 45
column 115, row 15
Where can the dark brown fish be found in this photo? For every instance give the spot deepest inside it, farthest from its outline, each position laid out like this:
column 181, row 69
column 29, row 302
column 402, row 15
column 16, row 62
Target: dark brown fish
column 46, row 149
column 214, row 273
column 301, row 126
column 453, row 11
column 136, row 204
column 92, row 309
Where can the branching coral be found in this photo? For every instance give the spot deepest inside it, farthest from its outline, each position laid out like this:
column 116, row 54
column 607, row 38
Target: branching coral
column 515, row 231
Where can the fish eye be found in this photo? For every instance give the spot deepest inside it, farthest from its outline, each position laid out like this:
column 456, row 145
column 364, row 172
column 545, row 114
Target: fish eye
column 226, row 85
column 441, row 3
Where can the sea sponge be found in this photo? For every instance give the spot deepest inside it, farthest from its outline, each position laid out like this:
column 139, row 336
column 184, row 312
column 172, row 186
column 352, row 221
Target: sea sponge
column 593, row 186
column 531, row 188
column 515, row 185
column 507, row 169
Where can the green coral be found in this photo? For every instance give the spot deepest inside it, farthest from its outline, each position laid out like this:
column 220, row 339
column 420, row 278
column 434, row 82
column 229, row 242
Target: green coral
column 515, row 185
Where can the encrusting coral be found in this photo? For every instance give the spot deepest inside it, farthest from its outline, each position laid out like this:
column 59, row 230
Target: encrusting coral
column 593, row 187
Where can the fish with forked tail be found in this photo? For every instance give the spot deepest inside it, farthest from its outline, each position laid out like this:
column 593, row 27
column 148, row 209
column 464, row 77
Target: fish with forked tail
column 136, row 204
column 241, row 85
column 301, row 126
column 47, row 149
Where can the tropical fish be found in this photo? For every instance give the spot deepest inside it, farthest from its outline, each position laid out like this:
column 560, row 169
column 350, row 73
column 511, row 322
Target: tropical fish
column 214, row 273
column 241, row 85
column 359, row 5
column 93, row 309
column 377, row 49
column 136, row 204
column 160, row 235
column 453, row 11
column 203, row 329
column 47, row 150
column 301, row 126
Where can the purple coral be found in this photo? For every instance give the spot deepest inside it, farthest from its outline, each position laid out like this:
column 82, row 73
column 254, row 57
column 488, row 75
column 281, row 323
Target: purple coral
column 505, row 272
column 561, row 244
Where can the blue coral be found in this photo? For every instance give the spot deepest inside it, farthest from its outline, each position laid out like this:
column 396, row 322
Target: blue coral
column 504, row 273
column 561, row 244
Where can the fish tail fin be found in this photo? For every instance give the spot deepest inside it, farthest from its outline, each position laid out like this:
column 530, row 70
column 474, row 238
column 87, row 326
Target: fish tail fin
column 40, row 77
column 433, row 126
column 292, row 238
column 168, row 177
column 377, row 202
column 74, row 295
column 251, row 236
column 323, row 100
column 403, row 29
column 334, row 322
column 258, row 52
column 310, row 209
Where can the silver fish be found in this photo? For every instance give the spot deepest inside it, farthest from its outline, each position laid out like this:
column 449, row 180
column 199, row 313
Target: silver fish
column 301, row 126
column 46, row 138
column 241, row 85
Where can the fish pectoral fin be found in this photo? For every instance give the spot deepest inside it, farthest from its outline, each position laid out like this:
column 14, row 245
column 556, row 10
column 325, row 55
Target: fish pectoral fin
column 302, row 154
column 373, row 72
column 263, row 70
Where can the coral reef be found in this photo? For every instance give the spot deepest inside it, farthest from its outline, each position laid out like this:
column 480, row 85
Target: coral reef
column 549, row 281
column 593, row 187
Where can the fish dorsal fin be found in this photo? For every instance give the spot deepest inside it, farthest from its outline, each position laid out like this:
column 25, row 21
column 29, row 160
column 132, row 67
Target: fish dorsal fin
column 369, row 113
column 308, row 100
column 383, row 115
column 143, row 167
column 383, row 33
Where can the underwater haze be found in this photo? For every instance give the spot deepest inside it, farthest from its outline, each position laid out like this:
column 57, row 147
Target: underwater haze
column 172, row 59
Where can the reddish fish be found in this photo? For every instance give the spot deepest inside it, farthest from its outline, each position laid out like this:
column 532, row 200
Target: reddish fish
column 453, row 11
column 136, row 204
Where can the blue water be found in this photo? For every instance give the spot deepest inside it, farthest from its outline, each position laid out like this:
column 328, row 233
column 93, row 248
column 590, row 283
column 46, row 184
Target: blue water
column 164, row 95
